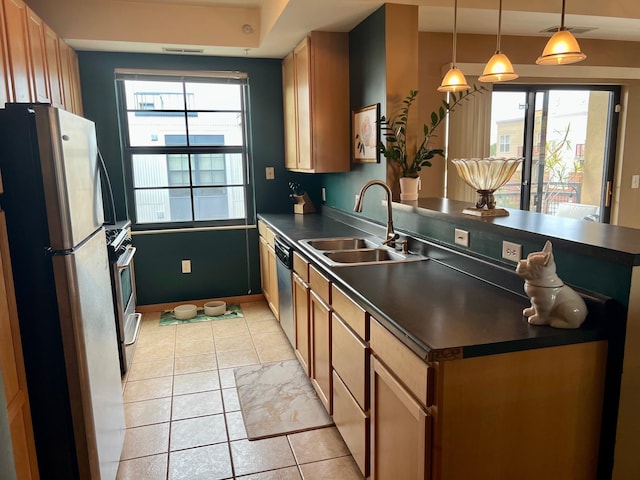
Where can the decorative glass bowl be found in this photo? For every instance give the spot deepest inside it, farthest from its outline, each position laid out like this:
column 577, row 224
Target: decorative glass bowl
column 486, row 176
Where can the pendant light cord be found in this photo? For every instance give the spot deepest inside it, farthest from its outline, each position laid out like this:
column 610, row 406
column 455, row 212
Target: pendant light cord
column 562, row 17
column 455, row 21
column 499, row 27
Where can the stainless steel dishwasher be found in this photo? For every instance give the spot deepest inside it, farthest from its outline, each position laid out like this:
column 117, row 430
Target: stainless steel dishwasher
column 284, row 252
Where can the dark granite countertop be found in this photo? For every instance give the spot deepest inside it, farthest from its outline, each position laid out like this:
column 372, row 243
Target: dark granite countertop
column 434, row 309
column 610, row 242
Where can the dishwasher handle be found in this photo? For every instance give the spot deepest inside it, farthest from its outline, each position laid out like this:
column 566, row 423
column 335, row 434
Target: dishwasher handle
column 284, row 252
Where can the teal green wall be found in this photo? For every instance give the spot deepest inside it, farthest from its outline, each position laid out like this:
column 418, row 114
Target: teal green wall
column 367, row 80
column 219, row 259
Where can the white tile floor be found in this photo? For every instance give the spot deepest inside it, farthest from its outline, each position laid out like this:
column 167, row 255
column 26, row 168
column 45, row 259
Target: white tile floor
column 183, row 415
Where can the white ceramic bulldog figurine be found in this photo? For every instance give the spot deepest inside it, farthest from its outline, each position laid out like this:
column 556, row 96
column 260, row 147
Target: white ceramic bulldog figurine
column 552, row 302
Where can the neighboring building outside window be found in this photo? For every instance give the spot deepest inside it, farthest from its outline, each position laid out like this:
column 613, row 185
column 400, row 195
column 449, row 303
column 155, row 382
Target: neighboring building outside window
column 185, row 149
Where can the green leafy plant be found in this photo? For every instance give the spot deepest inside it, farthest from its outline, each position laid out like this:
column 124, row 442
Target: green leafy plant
column 394, row 132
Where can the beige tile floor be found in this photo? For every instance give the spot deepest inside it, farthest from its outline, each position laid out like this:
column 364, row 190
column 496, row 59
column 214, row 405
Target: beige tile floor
column 183, row 415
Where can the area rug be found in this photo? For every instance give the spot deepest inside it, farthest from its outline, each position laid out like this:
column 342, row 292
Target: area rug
column 277, row 399
column 233, row 311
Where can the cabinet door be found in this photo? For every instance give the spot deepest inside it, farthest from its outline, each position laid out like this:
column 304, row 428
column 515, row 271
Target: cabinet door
column 321, row 349
column 70, row 79
column 273, row 281
column 301, row 316
column 12, row 365
column 352, row 423
column 350, row 358
column 74, row 74
column 15, row 12
column 303, row 104
column 400, row 430
column 52, row 46
column 38, row 56
column 6, row 92
column 290, row 115
column 264, row 268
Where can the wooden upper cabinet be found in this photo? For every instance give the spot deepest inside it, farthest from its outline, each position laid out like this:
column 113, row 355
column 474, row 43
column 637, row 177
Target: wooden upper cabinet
column 290, row 127
column 15, row 12
column 38, row 57
column 52, row 47
column 6, row 93
column 70, row 78
column 316, row 104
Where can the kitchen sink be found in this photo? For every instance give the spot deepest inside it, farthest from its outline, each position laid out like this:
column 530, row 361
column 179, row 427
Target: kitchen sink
column 361, row 255
column 341, row 243
column 352, row 251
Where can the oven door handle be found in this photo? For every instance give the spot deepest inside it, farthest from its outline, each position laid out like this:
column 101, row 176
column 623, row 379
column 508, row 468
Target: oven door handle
column 128, row 258
column 135, row 334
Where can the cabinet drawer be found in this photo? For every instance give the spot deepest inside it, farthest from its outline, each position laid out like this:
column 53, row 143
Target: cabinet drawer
column 262, row 228
column 350, row 358
column 350, row 312
column 301, row 266
column 266, row 232
column 410, row 369
column 320, row 284
column 352, row 424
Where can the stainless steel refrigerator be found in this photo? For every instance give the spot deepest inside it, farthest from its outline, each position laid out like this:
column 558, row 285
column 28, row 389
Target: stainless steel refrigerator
column 53, row 203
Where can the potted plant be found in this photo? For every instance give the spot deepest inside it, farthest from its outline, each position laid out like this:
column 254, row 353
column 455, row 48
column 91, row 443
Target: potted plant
column 394, row 146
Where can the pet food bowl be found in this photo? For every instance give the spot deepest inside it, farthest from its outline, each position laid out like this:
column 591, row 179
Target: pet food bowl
column 213, row 309
column 185, row 312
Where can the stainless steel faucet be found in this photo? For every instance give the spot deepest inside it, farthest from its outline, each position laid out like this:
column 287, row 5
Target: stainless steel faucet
column 391, row 236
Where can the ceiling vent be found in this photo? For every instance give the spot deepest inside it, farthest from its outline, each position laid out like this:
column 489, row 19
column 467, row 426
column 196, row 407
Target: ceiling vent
column 575, row 30
column 182, row 50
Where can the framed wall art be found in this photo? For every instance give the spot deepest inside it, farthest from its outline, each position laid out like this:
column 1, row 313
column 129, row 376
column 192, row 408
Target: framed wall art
column 365, row 134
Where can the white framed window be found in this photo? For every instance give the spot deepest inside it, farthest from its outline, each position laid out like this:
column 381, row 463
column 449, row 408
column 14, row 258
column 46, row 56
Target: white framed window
column 185, row 149
column 504, row 143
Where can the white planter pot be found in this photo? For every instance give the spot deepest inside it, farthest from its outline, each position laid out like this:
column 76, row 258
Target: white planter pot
column 409, row 188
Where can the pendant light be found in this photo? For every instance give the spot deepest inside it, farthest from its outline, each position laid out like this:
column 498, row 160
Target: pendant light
column 454, row 80
column 562, row 47
column 498, row 68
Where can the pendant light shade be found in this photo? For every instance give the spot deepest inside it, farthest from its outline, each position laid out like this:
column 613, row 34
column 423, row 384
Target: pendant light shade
column 498, row 68
column 454, row 80
column 562, row 48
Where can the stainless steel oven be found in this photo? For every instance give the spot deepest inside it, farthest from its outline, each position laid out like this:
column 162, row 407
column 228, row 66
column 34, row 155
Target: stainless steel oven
column 121, row 253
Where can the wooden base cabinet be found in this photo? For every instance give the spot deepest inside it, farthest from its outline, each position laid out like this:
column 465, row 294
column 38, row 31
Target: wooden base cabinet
column 529, row 415
column 301, row 315
column 352, row 423
column 400, row 430
column 321, row 349
column 268, row 268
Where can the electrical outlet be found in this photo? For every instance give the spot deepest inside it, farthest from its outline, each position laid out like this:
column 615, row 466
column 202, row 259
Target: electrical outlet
column 635, row 181
column 461, row 237
column 186, row 266
column 511, row 251
column 270, row 173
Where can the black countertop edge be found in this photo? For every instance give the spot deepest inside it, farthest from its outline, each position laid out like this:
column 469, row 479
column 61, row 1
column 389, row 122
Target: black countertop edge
column 609, row 242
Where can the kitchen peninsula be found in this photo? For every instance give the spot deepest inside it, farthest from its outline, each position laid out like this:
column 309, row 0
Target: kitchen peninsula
column 451, row 369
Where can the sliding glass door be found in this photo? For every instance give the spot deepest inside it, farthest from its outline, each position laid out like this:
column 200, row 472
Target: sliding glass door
column 567, row 137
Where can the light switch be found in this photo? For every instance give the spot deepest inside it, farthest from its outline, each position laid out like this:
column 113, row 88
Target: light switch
column 635, row 181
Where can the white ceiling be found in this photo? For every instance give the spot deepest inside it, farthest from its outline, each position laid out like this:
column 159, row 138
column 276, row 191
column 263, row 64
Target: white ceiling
column 609, row 19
